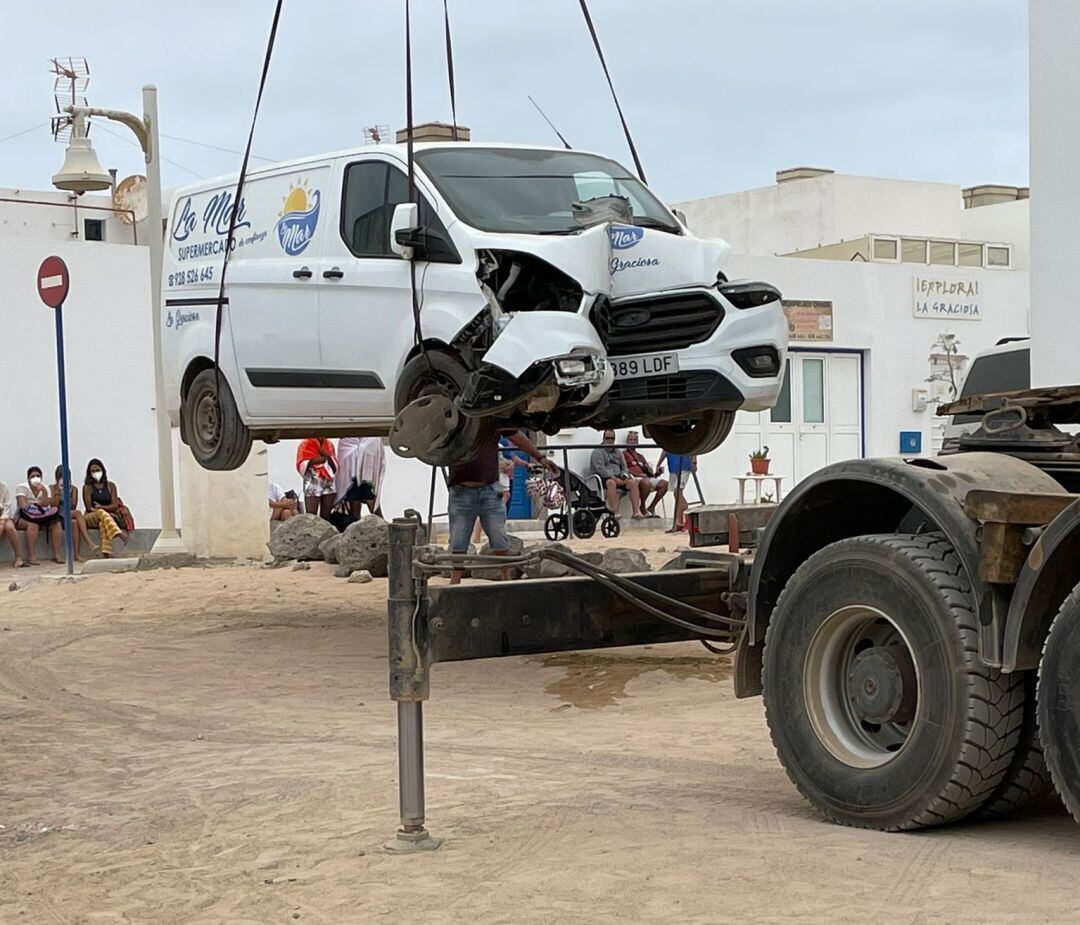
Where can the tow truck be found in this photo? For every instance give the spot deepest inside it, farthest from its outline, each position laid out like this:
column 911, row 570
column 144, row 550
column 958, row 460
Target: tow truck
column 912, row 624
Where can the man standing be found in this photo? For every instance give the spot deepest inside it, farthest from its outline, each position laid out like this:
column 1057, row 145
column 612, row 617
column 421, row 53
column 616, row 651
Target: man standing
column 648, row 480
column 607, row 462
column 680, row 468
column 475, row 492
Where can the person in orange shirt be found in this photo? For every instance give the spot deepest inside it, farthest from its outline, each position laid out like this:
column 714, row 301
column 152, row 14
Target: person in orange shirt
column 317, row 464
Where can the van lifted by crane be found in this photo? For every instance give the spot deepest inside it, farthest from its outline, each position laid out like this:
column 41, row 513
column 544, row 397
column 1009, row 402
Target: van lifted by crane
column 913, row 625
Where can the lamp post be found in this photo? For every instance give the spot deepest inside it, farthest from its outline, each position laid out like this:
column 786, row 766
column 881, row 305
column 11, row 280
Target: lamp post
column 81, row 173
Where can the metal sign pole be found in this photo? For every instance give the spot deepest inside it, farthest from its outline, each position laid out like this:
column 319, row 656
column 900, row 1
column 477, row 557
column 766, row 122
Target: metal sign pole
column 65, row 477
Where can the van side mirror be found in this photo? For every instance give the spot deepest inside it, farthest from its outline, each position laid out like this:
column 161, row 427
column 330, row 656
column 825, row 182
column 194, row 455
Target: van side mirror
column 681, row 216
column 404, row 229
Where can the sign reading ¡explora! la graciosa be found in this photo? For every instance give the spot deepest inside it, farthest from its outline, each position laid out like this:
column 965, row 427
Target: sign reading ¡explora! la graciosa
column 951, row 299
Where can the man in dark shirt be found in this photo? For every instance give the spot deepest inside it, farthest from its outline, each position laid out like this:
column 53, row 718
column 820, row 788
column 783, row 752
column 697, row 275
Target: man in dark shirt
column 475, row 492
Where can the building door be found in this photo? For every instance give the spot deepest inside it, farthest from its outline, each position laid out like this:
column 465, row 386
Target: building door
column 818, row 417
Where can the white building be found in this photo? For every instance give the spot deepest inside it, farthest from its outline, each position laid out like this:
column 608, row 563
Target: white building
column 879, row 277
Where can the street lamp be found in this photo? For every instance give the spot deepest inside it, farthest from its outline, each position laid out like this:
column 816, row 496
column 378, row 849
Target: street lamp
column 82, row 172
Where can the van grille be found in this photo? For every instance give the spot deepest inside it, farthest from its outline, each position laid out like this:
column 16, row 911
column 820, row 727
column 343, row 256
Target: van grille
column 661, row 323
column 678, row 387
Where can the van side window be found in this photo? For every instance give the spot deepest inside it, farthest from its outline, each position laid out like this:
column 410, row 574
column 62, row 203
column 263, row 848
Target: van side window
column 372, row 190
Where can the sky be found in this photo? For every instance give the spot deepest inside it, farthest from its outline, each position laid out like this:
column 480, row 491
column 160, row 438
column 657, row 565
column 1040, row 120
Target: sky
column 719, row 94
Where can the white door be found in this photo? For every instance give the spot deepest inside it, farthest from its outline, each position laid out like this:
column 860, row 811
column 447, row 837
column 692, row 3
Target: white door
column 273, row 308
column 818, row 418
column 365, row 300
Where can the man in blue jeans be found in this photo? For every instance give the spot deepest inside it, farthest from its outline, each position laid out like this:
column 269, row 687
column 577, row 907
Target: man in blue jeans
column 475, row 492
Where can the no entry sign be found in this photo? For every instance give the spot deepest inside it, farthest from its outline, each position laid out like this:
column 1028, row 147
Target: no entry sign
column 53, row 281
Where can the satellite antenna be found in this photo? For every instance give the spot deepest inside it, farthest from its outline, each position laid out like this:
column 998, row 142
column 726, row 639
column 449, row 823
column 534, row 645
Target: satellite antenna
column 375, row 134
column 69, row 89
column 131, row 199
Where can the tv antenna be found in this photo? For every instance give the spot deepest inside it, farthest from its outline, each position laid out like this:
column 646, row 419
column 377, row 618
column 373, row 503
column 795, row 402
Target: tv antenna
column 69, row 89
column 376, row 134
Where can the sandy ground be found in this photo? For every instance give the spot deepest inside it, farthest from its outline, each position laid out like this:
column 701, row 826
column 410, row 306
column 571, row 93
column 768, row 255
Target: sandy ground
column 217, row 745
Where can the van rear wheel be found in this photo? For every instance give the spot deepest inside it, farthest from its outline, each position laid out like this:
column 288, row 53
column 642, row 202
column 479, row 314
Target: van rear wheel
column 692, row 437
column 216, row 436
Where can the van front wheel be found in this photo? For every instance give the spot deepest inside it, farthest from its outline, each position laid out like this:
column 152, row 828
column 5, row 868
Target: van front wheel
column 216, row 436
column 692, row 438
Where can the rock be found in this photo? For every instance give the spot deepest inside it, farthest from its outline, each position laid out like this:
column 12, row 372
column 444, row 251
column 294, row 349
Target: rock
column 661, row 549
column 343, row 571
column 299, row 537
column 593, row 558
column 328, row 547
column 301, row 566
column 360, row 577
column 546, row 568
column 673, row 563
column 517, row 547
column 620, row 561
column 14, row 586
column 365, row 544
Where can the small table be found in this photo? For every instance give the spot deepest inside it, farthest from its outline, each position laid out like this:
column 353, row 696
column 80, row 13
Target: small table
column 757, row 480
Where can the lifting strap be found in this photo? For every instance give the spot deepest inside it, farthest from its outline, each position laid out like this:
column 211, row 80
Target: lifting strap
column 450, row 71
column 418, row 335
column 239, row 193
column 607, row 74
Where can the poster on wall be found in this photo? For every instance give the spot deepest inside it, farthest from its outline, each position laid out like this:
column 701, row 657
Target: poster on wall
column 950, row 299
column 808, row 320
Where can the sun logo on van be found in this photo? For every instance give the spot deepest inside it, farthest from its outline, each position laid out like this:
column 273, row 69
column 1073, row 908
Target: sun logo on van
column 299, row 216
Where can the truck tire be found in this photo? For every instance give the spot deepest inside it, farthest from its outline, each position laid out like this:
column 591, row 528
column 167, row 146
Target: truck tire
column 701, row 436
column 1027, row 784
column 215, row 434
column 439, row 373
column 878, row 706
column 1059, row 702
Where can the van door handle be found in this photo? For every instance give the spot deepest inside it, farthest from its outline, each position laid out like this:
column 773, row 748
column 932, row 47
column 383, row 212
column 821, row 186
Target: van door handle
column 333, row 273
column 302, row 273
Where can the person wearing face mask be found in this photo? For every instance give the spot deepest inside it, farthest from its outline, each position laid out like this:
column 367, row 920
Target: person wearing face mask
column 102, row 502
column 35, row 512
column 79, row 531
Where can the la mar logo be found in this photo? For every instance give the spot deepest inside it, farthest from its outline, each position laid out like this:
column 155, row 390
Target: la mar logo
column 623, row 237
column 299, row 217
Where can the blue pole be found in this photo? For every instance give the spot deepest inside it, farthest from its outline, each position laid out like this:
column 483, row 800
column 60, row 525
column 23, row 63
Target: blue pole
column 66, row 474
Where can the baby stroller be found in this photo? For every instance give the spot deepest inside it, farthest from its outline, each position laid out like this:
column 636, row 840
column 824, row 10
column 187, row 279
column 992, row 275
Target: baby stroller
column 586, row 505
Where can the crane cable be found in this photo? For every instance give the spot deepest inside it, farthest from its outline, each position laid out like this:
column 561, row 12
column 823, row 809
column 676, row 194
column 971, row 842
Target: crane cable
column 607, row 74
column 235, row 209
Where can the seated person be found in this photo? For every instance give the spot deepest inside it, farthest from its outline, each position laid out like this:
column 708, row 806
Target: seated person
column 102, row 503
column 7, row 525
column 283, row 504
column 80, row 533
column 34, row 512
column 607, row 462
column 648, row 479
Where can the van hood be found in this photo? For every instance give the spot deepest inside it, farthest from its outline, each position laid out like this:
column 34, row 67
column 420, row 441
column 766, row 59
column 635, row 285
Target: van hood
column 619, row 260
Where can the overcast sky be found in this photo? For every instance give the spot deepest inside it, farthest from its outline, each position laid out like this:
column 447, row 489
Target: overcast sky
column 719, row 93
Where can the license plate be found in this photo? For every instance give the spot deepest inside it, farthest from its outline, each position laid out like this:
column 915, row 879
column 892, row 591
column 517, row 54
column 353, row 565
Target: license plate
column 648, row 364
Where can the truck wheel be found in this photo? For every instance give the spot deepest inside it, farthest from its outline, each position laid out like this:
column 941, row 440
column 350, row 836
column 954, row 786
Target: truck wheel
column 440, row 374
column 692, row 437
column 215, row 434
column 879, row 708
column 1027, row 783
column 1059, row 702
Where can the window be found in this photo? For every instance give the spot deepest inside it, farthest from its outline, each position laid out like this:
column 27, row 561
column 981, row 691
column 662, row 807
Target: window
column 970, row 255
column 813, row 389
column 372, row 190
column 997, row 255
column 781, row 411
column 912, row 250
column 996, row 372
column 94, row 229
column 943, row 253
column 884, row 249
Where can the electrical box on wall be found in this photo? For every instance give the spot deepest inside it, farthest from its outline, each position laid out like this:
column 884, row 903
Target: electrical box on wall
column 920, row 398
column 911, row 441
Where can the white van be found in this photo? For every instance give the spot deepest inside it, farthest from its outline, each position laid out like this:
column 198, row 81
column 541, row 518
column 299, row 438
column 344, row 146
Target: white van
column 553, row 290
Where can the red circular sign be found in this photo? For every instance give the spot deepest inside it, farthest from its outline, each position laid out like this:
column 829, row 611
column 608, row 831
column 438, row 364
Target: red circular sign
column 53, row 281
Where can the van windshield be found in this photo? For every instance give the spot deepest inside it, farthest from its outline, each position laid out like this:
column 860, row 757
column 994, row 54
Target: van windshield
column 531, row 191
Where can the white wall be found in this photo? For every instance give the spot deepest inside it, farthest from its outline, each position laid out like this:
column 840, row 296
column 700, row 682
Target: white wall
column 800, row 214
column 64, row 219
column 1055, row 182
column 1003, row 223
column 109, row 363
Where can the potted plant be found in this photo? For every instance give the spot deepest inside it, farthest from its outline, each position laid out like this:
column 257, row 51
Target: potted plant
column 759, row 461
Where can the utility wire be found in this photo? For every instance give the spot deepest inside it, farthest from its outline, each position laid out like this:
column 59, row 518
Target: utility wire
column 130, row 141
column 25, row 131
column 203, row 144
